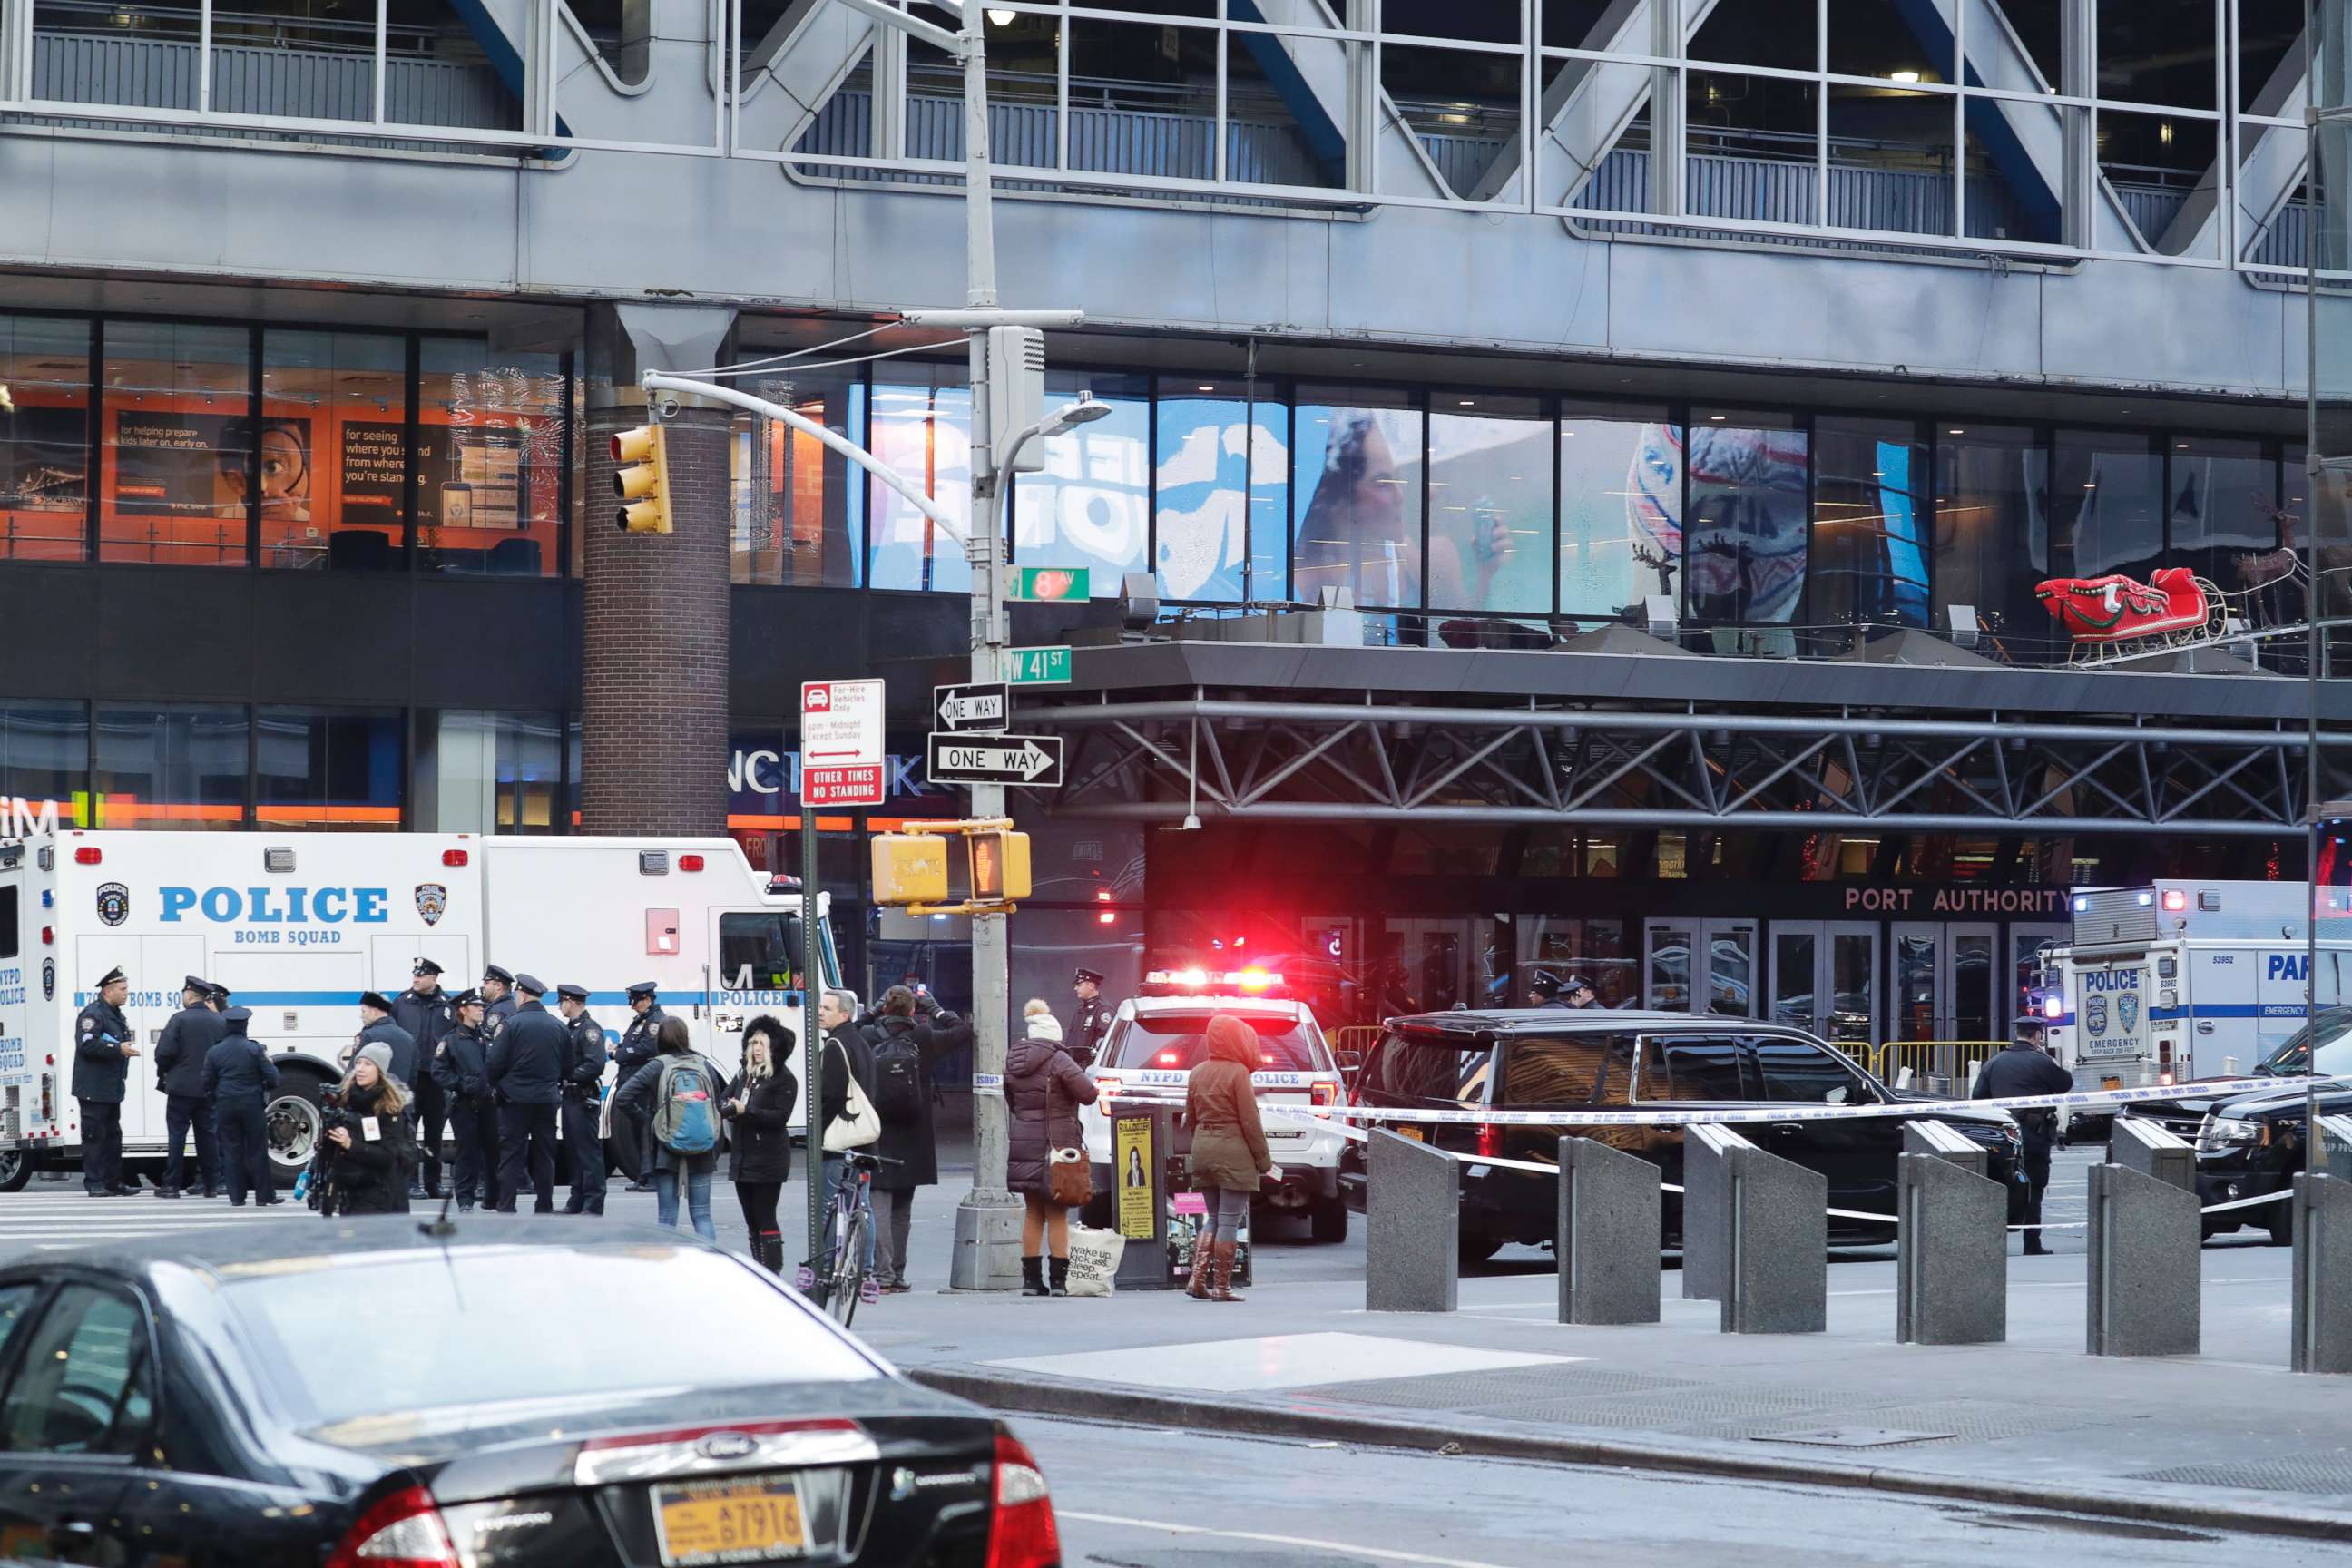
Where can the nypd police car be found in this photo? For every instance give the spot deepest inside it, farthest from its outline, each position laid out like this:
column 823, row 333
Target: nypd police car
column 1156, row 1040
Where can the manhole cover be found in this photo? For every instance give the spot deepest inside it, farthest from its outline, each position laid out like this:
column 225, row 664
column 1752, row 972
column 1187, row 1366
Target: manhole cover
column 1854, row 1437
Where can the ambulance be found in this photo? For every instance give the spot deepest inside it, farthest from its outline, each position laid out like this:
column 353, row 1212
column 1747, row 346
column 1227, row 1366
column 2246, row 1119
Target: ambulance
column 2181, row 979
column 299, row 925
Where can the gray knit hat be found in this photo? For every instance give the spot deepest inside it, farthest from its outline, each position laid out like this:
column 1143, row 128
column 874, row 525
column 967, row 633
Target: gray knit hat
column 377, row 1052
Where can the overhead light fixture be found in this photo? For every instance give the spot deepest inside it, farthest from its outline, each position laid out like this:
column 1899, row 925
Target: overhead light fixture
column 1956, row 432
column 1904, row 76
column 998, row 16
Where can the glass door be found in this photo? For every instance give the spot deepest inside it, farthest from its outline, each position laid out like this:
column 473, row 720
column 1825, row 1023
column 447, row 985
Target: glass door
column 1824, row 980
column 1667, row 964
column 1701, row 966
column 1977, row 982
column 1434, row 956
column 1918, row 982
column 2025, row 943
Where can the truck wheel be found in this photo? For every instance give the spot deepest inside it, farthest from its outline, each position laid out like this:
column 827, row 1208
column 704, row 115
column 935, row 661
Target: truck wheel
column 291, row 1120
column 1330, row 1222
column 16, row 1170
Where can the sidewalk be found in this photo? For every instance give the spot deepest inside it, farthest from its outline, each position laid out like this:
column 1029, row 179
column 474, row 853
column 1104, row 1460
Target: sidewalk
column 2231, row 1438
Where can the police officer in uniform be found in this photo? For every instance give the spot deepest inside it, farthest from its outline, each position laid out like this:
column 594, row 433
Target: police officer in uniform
column 424, row 1011
column 378, row 1028
column 461, row 1069
column 239, row 1078
column 2026, row 1069
column 527, row 1059
column 631, row 1131
column 1092, row 1021
column 180, row 1055
column 103, row 1052
column 498, row 998
column 584, row 1075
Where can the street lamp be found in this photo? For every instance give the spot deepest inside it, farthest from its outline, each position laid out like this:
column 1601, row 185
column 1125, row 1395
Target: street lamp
column 1060, row 422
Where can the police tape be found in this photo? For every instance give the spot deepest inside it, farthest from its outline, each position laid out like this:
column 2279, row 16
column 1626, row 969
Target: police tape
column 1570, row 1116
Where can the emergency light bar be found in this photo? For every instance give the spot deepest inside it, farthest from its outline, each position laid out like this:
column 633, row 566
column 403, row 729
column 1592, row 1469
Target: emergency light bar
column 1184, row 982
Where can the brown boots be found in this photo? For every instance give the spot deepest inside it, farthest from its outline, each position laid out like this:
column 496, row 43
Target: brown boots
column 1213, row 1272
column 1204, row 1264
column 1224, row 1263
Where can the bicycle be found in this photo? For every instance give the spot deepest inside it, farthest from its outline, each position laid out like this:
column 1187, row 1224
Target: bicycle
column 849, row 1214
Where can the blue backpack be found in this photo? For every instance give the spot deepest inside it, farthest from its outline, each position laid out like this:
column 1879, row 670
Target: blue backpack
column 685, row 1107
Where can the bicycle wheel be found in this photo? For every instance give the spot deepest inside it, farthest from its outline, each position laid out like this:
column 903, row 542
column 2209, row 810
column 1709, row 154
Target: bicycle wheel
column 848, row 1269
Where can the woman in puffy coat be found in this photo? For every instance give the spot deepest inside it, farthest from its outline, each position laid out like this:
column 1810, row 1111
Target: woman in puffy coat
column 1045, row 1089
column 1229, row 1153
column 760, row 1105
column 372, row 1166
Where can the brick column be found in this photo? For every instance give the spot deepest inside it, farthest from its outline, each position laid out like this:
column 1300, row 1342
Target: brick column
column 654, row 642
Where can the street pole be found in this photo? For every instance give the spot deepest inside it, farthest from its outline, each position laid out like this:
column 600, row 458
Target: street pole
column 988, row 1221
column 812, row 1031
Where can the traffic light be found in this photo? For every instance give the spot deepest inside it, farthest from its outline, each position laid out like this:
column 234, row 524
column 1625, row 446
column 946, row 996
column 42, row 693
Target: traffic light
column 910, row 869
column 999, row 866
column 642, row 481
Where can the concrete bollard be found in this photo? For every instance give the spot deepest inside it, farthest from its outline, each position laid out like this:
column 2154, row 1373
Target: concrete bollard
column 2322, row 1264
column 1951, row 1250
column 1610, row 1208
column 1766, row 1238
column 1412, row 1227
column 2145, row 1295
column 2153, row 1149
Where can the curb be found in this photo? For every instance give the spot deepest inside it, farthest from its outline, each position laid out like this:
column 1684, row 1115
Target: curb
column 1443, row 1430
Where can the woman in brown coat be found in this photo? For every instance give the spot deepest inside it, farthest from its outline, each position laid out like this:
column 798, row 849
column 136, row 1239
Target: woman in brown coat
column 1229, row 1153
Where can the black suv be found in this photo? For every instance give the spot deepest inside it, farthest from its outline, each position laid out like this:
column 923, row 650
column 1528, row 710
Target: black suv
column 1551, row 1059
column 2252, row 1143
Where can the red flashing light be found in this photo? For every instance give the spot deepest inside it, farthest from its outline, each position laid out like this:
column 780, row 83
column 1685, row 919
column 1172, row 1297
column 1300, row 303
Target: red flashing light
column 1107, row 918
column 1102, row 895
column 405, row 1531
column 1490, row 1141
column 1021, row 1532
column 89, row 854
column 48, row 936
column 1167, row 1058
column 2175, row 900
column 455, row 858
column 1326, row 1094
column 690, row 862
column 1241, row 941
column 2164, row 1079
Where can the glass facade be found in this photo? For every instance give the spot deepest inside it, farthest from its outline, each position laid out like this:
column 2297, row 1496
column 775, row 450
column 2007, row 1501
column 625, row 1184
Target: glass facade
column 233, row 445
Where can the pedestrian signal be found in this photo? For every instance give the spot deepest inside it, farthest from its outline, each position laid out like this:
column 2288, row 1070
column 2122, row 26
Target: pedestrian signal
column 999, row 866
column 642, row 481
column 909, row 868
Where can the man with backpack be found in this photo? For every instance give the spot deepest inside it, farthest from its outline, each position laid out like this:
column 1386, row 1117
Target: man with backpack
column 904, row 1042
column 677, row 1098
column 526, row 1074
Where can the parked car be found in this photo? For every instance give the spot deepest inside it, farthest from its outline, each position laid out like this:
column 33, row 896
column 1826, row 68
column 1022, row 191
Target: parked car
column 521, row 1395
column 1552, row 1060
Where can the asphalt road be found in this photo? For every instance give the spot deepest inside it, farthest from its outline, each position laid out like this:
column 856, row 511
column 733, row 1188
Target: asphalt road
column 1141, row 1498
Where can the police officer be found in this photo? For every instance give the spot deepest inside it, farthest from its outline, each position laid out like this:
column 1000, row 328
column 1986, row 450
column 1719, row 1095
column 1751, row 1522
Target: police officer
column 423, row 1010
column 239, row 1078
column 630, row 1131
column 180, row 1055
column 498, row 998
column 103, row 1051
column 1092, row 1021
column 461, row 1070
column 1543, row 991
column 527, row 1059
column 584, row 1075
column 1576, row 993
column 2025, row 1069
column 378, row 1028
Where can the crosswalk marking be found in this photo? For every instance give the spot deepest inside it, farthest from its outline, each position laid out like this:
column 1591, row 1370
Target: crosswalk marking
column 62, row 1219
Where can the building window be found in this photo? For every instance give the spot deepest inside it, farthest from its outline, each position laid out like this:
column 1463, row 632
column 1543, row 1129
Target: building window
column 2105, row 498
column 1221, row 488
column 44, row 438
column 492, row 434
column 1746, row 482
column 922, row 428
column 799, row 506
column 1621, row 509
column 45, row 759
column 1870, row 519
column 1490, row 504
column 489, row 773
column 182, row 766
column 2221, row 498
column 179, row 445
column 334, row 410
column 1357, row 496
column 328, row 770
column 1090, row 508
column 1992, row 532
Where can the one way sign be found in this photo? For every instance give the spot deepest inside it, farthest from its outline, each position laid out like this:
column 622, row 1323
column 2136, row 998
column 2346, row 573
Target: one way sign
column 1031, row 760
column 967, row 710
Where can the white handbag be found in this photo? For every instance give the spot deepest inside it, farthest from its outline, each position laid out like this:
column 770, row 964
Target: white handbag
column 857, row 1125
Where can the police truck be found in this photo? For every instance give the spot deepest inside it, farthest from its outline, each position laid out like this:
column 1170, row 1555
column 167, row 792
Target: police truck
column 296, row 926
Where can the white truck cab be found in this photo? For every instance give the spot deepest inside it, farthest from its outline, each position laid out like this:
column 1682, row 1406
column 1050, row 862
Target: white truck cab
column 1156, row 1039
column 299, row 925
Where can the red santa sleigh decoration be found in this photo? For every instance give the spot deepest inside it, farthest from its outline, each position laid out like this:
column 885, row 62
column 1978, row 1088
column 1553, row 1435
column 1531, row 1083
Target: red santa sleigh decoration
column 2105, row 614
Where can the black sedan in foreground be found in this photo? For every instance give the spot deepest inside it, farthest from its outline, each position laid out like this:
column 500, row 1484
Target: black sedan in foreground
column 364, row 1393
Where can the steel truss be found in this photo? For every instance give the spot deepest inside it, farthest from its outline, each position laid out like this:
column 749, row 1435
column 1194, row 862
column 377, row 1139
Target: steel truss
column 1337, row 762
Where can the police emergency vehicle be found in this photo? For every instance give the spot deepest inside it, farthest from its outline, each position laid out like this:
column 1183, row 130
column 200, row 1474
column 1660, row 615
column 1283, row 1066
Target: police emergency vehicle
column 1156, row 1040
column 2182, row 980
column 297, row 926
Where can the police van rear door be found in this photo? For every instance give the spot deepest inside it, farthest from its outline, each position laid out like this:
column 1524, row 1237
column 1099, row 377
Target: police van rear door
column 2113, row 1031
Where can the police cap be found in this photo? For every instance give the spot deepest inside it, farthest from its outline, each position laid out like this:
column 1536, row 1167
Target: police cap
column 642, row 989
column 2029, row 1021
column 200, row 987
column 503, row 976
column 376, row 999
column 572, row 993
column 237, row 1015
column 219, row 992
column 466, row 999
column 530, row 984
column 425, row 967
column 1576, row 982
column 1085, row 976
column 109, row 977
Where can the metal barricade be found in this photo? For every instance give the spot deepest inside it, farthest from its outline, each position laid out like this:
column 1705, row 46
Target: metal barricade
column 1950, row 1064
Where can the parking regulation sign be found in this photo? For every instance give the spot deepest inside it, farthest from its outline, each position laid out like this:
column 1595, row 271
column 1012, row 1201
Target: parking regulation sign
column 841, row 742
